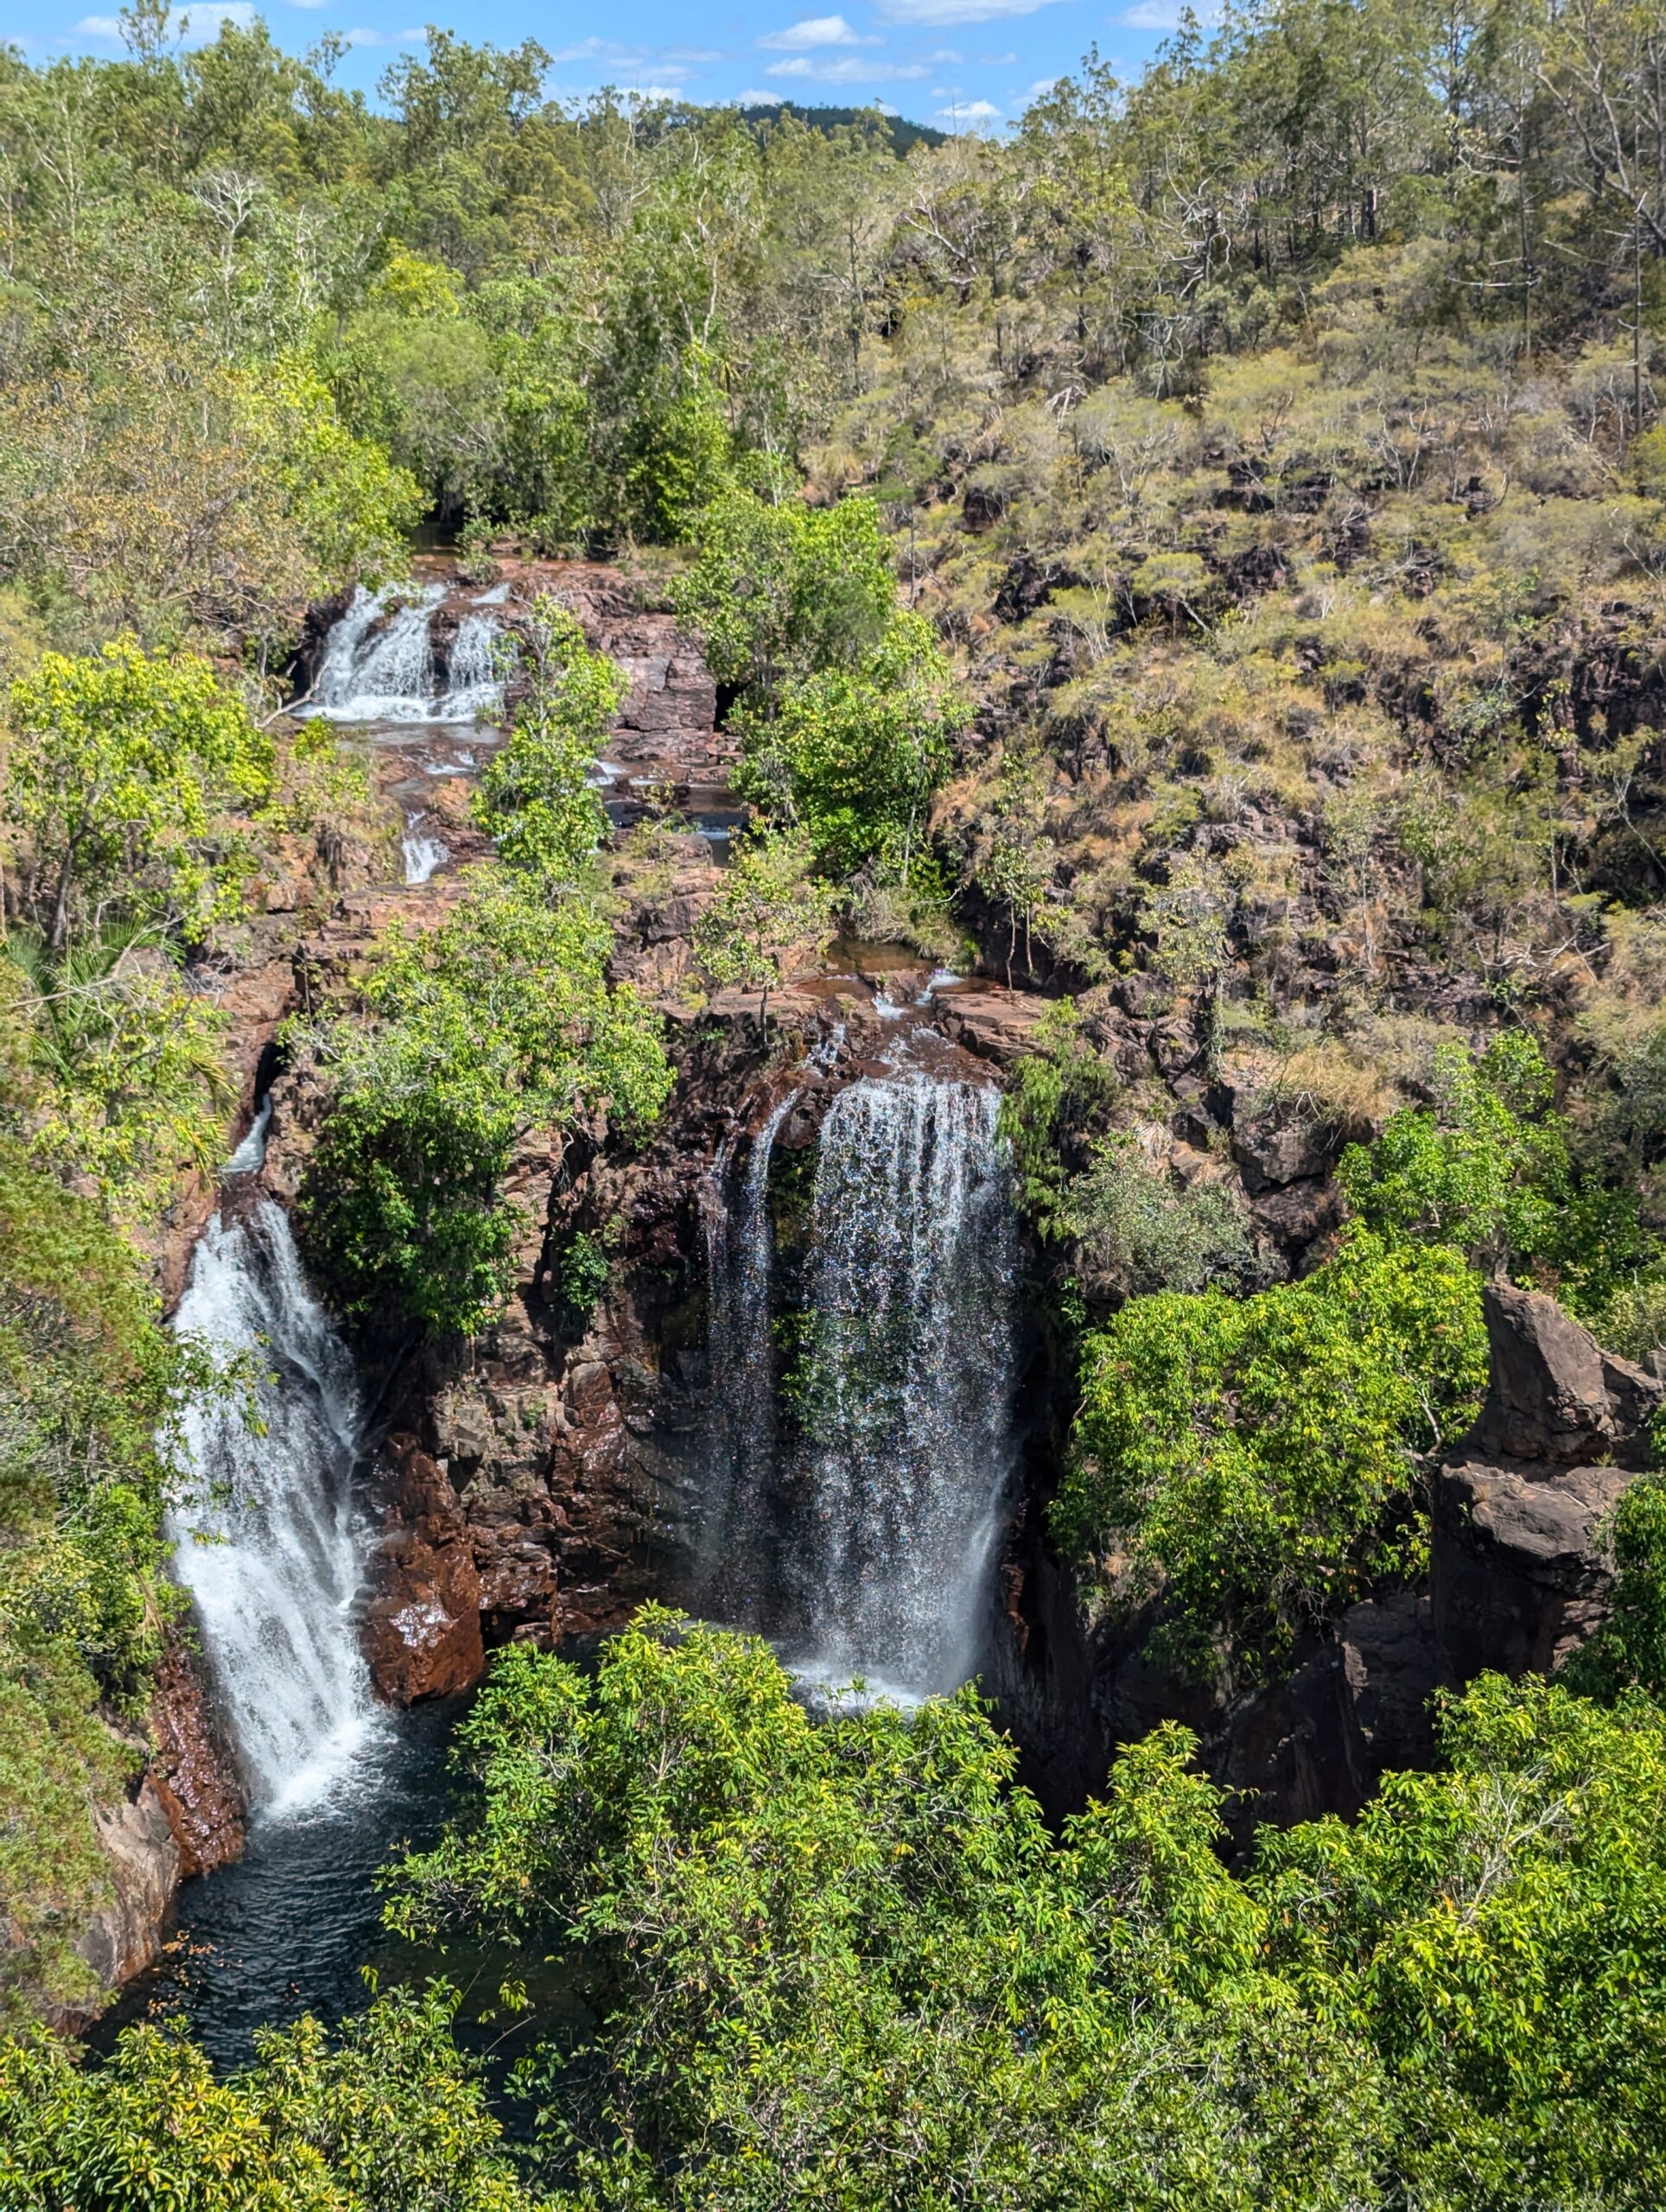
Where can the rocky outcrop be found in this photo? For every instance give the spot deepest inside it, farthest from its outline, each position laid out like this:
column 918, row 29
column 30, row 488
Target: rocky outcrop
column 192, row 1769
column 670, row 714
column 422, row 1627
column 125, row 1936
column 1518, row 1575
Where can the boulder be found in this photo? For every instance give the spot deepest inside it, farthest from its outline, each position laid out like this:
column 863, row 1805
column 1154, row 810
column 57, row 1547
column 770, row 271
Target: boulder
column 1275, row 1148
column 995, row 1024
column 421, row 1628
column 192, row 1768
column 1518, row 1574
column 1517, row 1571
column 1553, row 1394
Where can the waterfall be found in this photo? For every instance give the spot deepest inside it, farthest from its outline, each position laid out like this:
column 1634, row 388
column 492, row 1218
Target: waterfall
column 423, row 856
column 275, row 1581
column 475, row 693
column 390, row 674
column 864, row 1545
column 740, row 1253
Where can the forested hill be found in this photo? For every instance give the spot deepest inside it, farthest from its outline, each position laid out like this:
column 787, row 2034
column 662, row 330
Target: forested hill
column 1196, row 562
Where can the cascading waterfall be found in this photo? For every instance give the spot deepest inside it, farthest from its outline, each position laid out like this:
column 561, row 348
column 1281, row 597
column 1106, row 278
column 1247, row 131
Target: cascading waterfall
column 275, row 1581
column 391, row 673
column 740, row 1253
column 475, row 692
column 909, row 1384
column 875, row 1529
column 423, row 856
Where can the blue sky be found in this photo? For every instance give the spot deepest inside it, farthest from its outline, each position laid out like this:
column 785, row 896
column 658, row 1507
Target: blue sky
column 966, row 64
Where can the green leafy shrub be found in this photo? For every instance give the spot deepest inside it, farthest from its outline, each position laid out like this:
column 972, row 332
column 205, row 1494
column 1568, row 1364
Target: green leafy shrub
column 1488, row 1168
column 127, row 778
column 1138, row 1228
column 385, row 2118
column 535, row 798
column 855, row 754
column 1255, row 1457
column 1059, row 1095
column 769, row 910
column 581, row 1278
column 781, row 591
column 499, row 1021
column 1629, row 1651
column 1498, row 1926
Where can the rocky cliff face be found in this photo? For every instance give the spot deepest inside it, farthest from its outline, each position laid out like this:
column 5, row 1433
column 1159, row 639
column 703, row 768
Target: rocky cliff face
column 1519, row 1579
column 1518, row 1576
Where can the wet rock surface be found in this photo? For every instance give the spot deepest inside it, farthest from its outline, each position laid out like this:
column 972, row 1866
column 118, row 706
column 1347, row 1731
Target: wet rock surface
column 192, row 1764
column 421, row 1626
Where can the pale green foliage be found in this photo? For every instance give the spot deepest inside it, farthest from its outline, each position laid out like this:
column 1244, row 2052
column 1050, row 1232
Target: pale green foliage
column 1138, row 1228
column 1498, row 1925
column 1252, row 1455
column 1061, row 1092
column 1489, row 1169
column 768, row 909
column 127, row 776
column 349, row 506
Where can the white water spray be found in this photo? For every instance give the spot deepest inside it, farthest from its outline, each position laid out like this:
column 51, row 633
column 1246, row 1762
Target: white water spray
column 423, row 856
column 372, row 670
column 275, row 1585
column 865, row 1547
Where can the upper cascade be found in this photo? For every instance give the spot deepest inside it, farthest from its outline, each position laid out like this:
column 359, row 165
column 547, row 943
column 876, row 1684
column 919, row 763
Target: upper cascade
column 270, row 1550
column 380, row 662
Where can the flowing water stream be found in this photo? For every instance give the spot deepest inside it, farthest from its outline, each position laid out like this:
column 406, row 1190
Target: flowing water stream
column 379, row 663
column 861, row 1543
column 270, row 1546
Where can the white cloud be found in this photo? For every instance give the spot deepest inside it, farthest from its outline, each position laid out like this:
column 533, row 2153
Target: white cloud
column 1164, row 15
column 363, row 37
column 608, row 53
column 937, row 15
column 849, row 69
column 198, row 25
column 815, row 30
column 975, row 115
column 309, row 3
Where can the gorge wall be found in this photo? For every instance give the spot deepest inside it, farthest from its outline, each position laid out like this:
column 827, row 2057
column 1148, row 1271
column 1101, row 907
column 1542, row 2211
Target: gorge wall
column 543, row 1482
